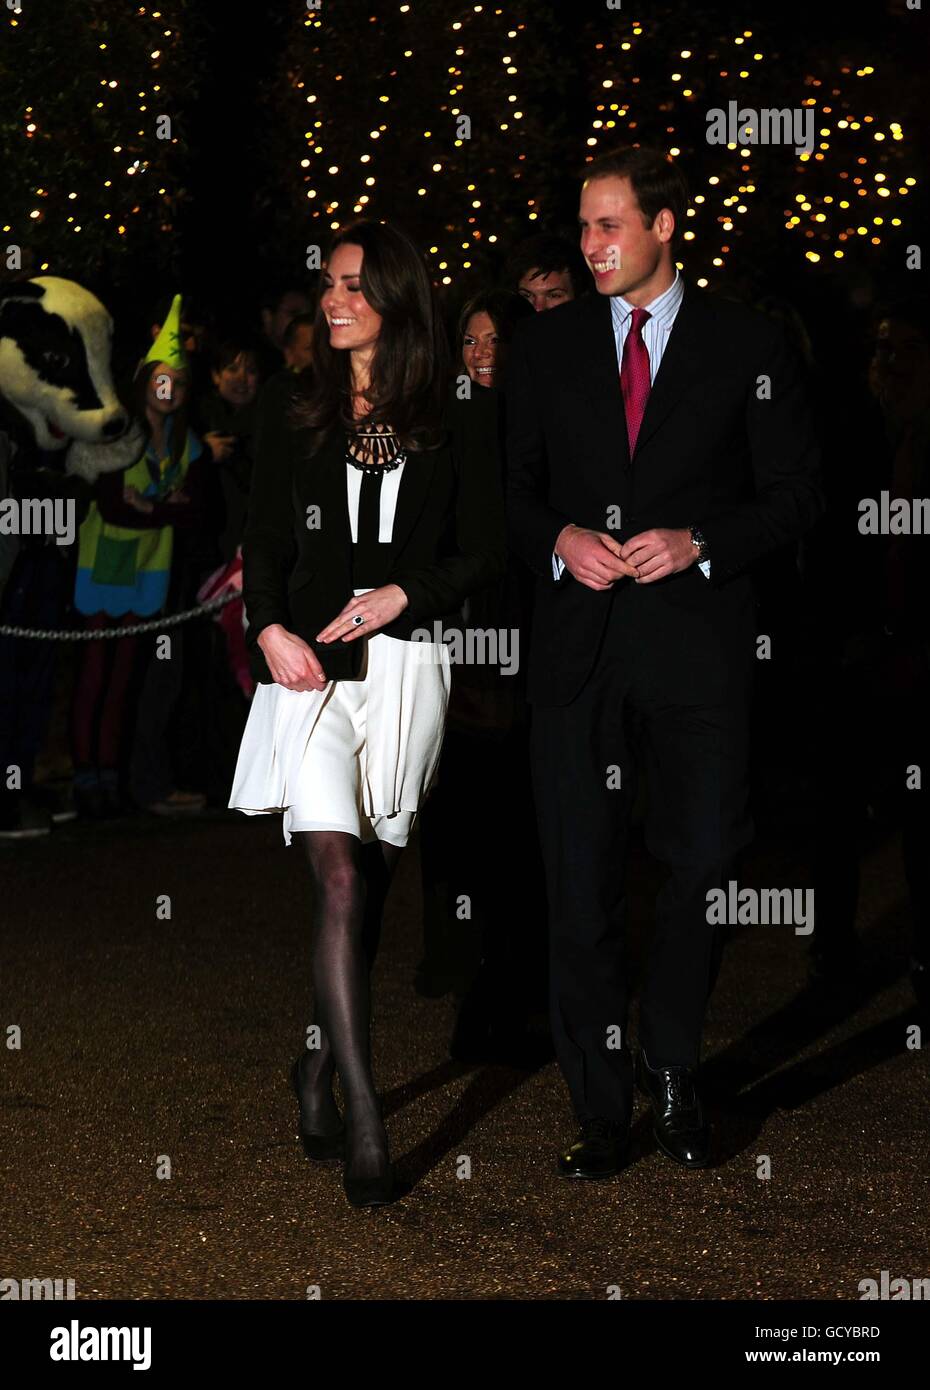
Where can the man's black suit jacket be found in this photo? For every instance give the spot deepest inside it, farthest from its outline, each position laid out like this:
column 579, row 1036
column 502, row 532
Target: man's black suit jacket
column 448, row 537
column 726, row 444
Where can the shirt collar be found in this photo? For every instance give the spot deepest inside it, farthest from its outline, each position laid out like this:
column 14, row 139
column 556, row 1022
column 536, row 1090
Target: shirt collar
column 662, row 308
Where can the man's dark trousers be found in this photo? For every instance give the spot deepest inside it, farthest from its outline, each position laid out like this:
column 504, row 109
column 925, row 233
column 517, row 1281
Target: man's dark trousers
column 685, row 704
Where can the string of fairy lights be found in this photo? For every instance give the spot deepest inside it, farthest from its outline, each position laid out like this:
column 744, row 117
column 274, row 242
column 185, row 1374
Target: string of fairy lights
column 834, row 204
column 848, row 188
column 129, row 113
column 867, row 179
column 421, row 149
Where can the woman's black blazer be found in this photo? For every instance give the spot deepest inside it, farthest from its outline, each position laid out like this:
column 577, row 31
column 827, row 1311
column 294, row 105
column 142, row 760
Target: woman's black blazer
column 449, row 535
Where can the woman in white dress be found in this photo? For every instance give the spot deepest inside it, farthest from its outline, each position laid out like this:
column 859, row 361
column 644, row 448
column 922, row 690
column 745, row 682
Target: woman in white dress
column 375, row 511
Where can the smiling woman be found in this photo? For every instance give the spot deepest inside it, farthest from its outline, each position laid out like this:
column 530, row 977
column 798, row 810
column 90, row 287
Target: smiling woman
column 367, row 285
column 486, row 326
column 402, row 483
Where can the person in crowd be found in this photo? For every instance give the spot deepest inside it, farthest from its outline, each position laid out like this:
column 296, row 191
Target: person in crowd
column 237, row 413
column 382, row 516
column 211, row 708
column 641, row 504
column 485, row 328
column 280, row 304
column 470, row 844
column 548, row 271
column 228, row 416
column 865, row 590
column 284, row 386
column 195, row 335
column 126, row 559
column 780, row 606
column 297, row 343
column 35, row 592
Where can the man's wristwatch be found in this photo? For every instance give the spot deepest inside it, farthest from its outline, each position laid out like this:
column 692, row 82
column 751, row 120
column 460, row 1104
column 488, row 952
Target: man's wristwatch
column 700, row 544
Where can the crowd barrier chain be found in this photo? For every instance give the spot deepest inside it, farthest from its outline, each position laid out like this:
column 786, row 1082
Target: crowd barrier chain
column 94, row 634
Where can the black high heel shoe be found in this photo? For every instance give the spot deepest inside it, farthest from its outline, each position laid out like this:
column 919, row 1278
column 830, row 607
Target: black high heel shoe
column 370, row 1192
column 319, row 1148
column 376, row 1191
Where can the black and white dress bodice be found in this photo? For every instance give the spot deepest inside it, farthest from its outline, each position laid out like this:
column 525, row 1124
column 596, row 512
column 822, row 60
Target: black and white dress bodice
column 372, row 497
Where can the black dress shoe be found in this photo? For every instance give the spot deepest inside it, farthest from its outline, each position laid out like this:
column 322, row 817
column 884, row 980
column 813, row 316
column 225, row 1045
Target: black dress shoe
column 319, row 1148
column 600, row 1151
column 678, row 1117
column 370, row 1192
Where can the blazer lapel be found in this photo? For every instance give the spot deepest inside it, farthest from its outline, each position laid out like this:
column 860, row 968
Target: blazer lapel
column 319, row 480
column 411, row 497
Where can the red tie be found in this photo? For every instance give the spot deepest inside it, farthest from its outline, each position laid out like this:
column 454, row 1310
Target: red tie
column 634, row 376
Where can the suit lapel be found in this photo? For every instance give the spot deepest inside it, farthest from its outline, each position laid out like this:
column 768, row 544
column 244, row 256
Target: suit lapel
column 598, row 357
column 685, row 353
column 684, row 356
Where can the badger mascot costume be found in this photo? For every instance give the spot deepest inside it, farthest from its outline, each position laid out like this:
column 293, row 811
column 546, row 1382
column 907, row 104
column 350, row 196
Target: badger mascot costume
column 61, row 426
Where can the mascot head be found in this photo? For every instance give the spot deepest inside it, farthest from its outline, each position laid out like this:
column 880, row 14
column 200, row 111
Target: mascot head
column 55, row 339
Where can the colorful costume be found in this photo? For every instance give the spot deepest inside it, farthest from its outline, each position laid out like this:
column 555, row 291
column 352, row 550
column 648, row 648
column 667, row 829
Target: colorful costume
column 124, row 570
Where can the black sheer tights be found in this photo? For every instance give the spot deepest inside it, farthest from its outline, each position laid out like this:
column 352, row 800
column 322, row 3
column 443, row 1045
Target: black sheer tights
column 351, row 882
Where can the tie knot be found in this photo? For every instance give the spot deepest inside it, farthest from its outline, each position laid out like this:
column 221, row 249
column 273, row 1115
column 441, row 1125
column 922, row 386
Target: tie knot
column 639, row 318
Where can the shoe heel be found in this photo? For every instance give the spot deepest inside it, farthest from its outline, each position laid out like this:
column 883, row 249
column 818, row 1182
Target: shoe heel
column 319, row 1148
column 370, row 1192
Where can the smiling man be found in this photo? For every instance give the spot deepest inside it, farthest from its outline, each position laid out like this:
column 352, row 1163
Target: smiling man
column 658, row 444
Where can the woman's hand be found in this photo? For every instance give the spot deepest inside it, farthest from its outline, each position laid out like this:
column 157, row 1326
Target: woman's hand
column 291, row 662
column 378, row 608
column 134, row 497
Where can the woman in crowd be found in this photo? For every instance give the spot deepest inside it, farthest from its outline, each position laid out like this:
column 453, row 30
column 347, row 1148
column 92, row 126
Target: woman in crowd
column 383, row 515
column 486, row 326
column 126, row 557
column 486, row 847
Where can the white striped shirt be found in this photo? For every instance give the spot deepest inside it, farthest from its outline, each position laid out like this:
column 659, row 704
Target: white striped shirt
column 657, row 327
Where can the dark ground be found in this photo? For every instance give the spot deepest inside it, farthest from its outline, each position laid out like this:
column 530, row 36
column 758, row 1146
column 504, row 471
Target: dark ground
column 144, row 1038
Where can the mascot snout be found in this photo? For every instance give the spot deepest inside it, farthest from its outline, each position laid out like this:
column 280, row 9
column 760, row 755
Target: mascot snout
column 55, row 340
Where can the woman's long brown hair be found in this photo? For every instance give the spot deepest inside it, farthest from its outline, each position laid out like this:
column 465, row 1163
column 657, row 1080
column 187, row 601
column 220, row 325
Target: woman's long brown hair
column 410, row 368
column 180, row 420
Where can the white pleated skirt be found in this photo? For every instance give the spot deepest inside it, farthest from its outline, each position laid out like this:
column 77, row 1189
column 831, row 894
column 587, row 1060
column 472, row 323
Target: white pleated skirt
column 359, row 755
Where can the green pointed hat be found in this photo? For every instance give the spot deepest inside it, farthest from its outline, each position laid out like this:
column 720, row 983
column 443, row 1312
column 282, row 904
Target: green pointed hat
column 168, row 346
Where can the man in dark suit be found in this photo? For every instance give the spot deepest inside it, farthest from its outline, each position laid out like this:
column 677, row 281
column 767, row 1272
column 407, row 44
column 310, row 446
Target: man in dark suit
column 658, row 444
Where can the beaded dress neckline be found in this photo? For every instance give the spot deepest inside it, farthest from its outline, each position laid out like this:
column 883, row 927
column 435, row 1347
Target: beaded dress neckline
column 375, row 449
